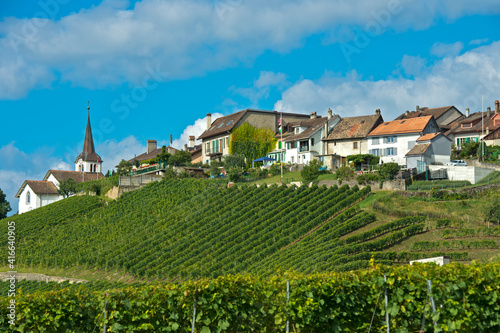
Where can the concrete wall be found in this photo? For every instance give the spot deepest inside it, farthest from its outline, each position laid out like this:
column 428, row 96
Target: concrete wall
column 388, row 185
column 470, row 173
column 487, row 165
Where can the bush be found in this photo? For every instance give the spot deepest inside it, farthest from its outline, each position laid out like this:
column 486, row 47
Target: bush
column 234, row 161
column 344, row 173
column 367, row 177
column 492, row 211
column 275, row 169
column 235, row 174
column 311, row 172
column 389, row 170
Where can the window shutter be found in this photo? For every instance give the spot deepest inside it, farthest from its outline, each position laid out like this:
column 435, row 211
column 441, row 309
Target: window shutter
column 385, row 139
column 370, row 151
column 395, row 139
column 395, row 150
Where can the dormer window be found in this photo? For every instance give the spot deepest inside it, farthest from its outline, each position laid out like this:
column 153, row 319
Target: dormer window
column 297, row 130
column 467, row 125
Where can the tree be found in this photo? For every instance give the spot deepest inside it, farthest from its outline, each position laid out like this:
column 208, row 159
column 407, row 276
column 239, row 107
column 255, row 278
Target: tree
column 344, row 173
column 108, row 174
column 181, row 157
column 124, row 168
column 311, row 172
column 4, row 205
column 234, row 161
column 164, row 156
column 389, row 170
column 361, row 159
column 251, row 142
column 492, row 211
column 67, row 187
column 235, row 173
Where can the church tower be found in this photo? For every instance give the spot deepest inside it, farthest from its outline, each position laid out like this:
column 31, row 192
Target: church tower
column 88, row 160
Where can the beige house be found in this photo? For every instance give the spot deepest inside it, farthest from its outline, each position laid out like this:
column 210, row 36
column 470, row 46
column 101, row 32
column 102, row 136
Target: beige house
column 215, row 139
column 349, row 137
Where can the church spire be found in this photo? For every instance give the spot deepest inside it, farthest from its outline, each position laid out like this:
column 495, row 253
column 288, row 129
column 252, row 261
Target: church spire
column 88, row 145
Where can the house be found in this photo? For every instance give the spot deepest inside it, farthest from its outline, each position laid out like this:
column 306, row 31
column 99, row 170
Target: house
column 194, row 150
column 349, row 137
column 215, row 139
column 444, row 116
column 392, row 140
column 492, row 128
column 35, row 194
column 305, row 142
column 152, row 151
column 431, row 148
column 475, row 126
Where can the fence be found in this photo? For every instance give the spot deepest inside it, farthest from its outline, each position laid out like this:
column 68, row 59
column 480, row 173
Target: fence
column 138, row 180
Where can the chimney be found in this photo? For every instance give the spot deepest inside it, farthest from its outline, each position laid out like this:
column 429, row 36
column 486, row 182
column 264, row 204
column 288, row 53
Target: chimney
column 497, row 103
column 151, row 146
column 330, row 114
column 467, row 113
column 417, row 108
column 191, row 141
column 185, row 147
column 313, row 115
column 407, row 112
column 487, row 130
column 377, row 112
column 209, row 120
column 488, row 113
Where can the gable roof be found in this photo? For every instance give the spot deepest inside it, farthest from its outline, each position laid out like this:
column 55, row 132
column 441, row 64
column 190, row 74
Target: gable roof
column 354, row 127
column 405, row 126
column 475, row 119
column 436, row 112
column 312, row 126
column 145, row 156
column 38, row 187
column 418, row 149
column 79, row 177
column 223, row 124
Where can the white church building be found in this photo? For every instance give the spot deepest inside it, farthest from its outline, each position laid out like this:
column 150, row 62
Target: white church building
column 35, row 193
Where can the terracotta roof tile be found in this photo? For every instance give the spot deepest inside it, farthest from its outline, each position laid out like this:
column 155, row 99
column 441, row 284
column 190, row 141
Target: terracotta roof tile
column 222, row 124
column 436, row 112
column 418, row 149
column 412, row 125
column 354, row 127
column 62, row 175
column 39, row 187
column 428, row 136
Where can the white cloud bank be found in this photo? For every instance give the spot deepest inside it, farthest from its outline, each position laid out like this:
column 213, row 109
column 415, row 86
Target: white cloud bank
column 110, row 44
column 460, row 81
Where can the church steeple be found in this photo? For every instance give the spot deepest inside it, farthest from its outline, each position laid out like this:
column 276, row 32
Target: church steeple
column 88, row 160
column 88, row 144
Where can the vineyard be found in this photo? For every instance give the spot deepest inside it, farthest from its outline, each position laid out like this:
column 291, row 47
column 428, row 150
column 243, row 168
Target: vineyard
column 178, row 230
column 424, row 297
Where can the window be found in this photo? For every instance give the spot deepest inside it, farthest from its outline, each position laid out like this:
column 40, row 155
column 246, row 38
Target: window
column 297, row 130
column 219, row 145
column 222, row 124
column 28, row 197
column 216, row 150
column 229, row 123
column 355, row 145
column 390, row 139
column 390, row 151
column 292, row 159
column 468, row 125
column 375, row 141
column 312, row 141
column 375, row 152
column 207, row 147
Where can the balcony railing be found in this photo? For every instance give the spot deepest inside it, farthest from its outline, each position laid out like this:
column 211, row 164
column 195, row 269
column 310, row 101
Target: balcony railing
column 304, row 148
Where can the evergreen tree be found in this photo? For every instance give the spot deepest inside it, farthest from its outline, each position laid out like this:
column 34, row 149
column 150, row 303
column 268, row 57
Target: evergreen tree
column 4, row 205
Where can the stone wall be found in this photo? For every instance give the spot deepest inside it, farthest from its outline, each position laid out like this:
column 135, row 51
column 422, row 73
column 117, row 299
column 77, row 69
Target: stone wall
column 388, row 185
column 39, row 277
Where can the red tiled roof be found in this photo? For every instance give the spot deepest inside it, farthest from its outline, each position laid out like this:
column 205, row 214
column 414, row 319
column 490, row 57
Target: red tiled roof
column 39, row 187
column 354, row 127
column 78, row 176
column 412, row 125
column 436, row 112
column 428, row 136
column 418, row 149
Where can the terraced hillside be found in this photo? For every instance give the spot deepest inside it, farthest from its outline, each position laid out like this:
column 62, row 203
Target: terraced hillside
column 175, row 230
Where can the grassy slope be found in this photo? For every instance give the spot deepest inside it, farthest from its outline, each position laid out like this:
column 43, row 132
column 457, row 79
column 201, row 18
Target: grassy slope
column 161, row 232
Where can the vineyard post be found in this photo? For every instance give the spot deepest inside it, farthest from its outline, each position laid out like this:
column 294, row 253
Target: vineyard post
column 105, row 308
column 194, row 316
column 287, row 299
column 433, row 305
column 386, row 301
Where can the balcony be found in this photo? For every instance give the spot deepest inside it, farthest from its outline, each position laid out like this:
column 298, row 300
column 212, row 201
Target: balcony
column 303, row 148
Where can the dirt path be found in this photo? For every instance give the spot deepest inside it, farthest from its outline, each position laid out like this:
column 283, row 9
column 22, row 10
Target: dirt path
column 39, row 277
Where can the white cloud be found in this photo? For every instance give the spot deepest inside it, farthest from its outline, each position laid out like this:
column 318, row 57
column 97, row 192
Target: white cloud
column 110, row 44
column 447, row 50
column 199, row 126
column 459, row 81
column 262, row 85
column 413, row 66
column 479, row 41
column 112, row 151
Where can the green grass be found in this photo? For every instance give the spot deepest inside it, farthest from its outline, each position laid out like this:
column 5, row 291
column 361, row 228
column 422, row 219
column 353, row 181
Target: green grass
column 492, row 178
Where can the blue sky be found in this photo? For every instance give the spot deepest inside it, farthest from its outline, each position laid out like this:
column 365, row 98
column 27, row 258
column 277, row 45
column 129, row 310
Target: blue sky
column 155, row 67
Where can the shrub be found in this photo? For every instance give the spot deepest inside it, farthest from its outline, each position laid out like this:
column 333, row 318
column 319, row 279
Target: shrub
column 367, row 177
column 389, row 170
column 311, row 171
column 344, row 173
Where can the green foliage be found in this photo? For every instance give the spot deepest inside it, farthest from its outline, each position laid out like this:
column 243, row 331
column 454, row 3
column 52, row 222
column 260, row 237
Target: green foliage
column 170, row 173
column 4, row 205
column 215, row 168
column 389, row 170
column 344, row 173
column 67, row 187
column 123, row 168
column 469, row 150
column 458, row 244
column 251, row 142
column 465, row 297
column 492, row 178
column 102, row 185
column 234, row 161
column 446, row 223
column 181, row 157
column 437, row 184
column 275, row 169
column 363, row 159
column 367, row 177
column 310, row 172
column 492, row 210
column 235, row 174
column 463, row 233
